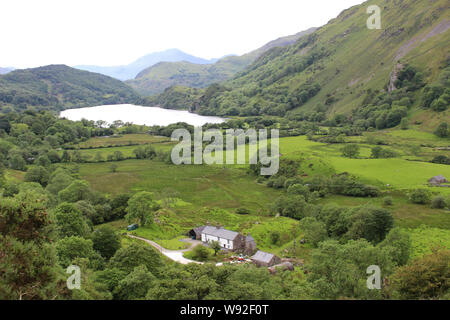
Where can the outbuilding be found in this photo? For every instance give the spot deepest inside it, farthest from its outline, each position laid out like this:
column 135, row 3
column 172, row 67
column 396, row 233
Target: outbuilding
column 265, row 259
column 196, row 233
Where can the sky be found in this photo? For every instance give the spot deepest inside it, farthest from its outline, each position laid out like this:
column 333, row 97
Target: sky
column 110, row 32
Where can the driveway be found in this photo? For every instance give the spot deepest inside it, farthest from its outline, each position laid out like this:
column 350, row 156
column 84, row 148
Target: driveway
column 175, row 255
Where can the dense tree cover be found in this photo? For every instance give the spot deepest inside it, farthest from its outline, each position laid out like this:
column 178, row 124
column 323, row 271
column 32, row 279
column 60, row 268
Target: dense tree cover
column 27, row 259
column 57, row 86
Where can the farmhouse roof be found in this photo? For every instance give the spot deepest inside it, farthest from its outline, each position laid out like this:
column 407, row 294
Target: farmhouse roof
column 220, row 233
column 199, row 230
column 263, row 256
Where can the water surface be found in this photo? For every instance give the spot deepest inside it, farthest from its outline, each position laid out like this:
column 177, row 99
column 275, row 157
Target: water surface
column 138, row 115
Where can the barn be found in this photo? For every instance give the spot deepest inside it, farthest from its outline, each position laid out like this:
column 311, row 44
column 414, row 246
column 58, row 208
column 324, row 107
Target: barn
column 196, row 233
column 265, row 259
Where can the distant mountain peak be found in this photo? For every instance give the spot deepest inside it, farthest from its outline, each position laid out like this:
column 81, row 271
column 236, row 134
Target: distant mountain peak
column 130, row 71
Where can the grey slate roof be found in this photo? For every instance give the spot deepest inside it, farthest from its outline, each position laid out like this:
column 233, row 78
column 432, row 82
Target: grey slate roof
column 262, row 256
column 199, row 230
column 220, row 233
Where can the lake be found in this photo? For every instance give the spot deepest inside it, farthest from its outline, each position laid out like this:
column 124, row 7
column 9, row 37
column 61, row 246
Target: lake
column 138, row 115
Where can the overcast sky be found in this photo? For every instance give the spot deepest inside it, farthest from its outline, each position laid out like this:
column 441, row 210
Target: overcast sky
column 110, row 32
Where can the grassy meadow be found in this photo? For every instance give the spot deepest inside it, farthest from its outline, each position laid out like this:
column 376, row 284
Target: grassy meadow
column 210, row 194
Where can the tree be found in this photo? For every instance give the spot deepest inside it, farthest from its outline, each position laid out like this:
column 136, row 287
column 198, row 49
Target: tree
column 141, row 207
column 37, row 174
column 113, row 167
column 369, row 222
column 66, row 157
column 99, row 157
column 424, row 278
column 420, row 196
column 438, row 202
column 315, row 231
column 59, row 180
column 17, row 162
column 25, row 245
column 135, row 285
column 398, row 245
column 70, row 221
column 70, row 248
column 135, row 255
column 442, row 130
column 106, row 241
column 119, row 205
column 215, row 245
column 350, row 150
column 404, row 124
column 76, row 191
column 339, row 270
column 118, row 156
column 200, row 253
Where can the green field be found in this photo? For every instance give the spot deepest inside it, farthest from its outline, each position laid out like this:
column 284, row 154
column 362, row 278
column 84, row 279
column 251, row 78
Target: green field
column 116, row 141
column 211, row 194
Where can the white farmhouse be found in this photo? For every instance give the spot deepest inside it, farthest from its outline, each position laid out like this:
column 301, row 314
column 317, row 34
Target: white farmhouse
column 230, row 240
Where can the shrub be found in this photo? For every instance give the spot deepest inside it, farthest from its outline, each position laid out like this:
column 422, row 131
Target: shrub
column 419, row 196
column 242, row 211
column 350, row 151
column 438, row 202
column 200, row 253
column 387, row 201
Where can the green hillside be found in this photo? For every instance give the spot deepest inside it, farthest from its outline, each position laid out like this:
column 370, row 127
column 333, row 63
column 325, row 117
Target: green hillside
column 344, row 66
column 163, row 75
column 58, row 87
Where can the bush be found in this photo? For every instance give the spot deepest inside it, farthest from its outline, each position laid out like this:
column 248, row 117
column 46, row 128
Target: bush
column 387, row 201
column 350, row 151
column 420, row 196
column 200, row 253
column 438, row 202
column 441, row 159
column 242, row 211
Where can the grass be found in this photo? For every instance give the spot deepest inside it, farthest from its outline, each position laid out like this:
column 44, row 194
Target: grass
column 320, row 158
column 211, row 194
column 14, row 175
column 406, row 214
column 174, row 244
column 127, row 151
column 117, row 141
column 199, row 185
column 424, row 239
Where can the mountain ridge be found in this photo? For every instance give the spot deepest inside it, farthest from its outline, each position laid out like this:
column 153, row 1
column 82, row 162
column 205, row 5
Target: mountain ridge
column 127, row 72
column 157, row 78
column 57, row 87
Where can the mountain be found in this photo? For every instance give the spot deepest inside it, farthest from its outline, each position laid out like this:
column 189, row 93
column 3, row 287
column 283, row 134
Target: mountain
column 58, row 87
column 157, row 78
column 130, row 71
column 5, row 70
column 345, row 69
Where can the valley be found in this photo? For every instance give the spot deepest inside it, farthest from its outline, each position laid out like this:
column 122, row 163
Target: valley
column 87, row 175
